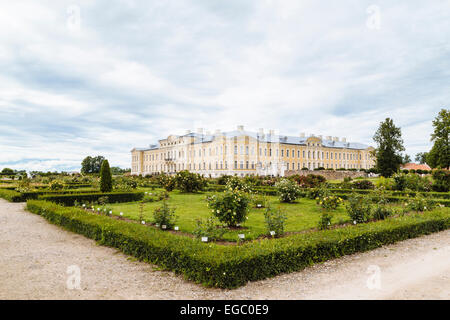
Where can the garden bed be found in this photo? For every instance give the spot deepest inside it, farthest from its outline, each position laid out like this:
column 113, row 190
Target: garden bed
column 232, row 266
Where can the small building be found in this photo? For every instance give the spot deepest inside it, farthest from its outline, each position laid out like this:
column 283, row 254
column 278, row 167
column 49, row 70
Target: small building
column 415, row 166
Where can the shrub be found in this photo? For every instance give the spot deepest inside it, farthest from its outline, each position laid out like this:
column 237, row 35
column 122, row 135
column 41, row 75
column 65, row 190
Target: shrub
column 11, row 195
column 325, row 220
column 222, row 180
column 235, row 183
column 329, row 202
column 230, row 207
column 165, row 215
column 420, row 203
column 209, row 228
column 259, row 200
column 288, row 191
column 56, row 185
column 308, row 181
column 363, row 184
column 105, row 177
column 189, row 182
column 69, row 199
column 359, row 208
column 167, row 182
column 381, row 212
column 275, row 220
column 441, row 180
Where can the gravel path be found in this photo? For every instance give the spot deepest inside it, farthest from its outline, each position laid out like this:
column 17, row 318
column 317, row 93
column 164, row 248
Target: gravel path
column 35, row 256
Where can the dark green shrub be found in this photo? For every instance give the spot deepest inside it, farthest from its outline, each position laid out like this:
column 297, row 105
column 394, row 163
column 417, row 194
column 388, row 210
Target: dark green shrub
column 11, row 195
column 69, row 199
column 105, row 177
column 359, row 208
column 363, row 184
column 190, row 182
column 381, row 212
column 441, row 180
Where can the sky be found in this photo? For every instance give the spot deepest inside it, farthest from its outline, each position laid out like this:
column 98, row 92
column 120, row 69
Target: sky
column 81, row 78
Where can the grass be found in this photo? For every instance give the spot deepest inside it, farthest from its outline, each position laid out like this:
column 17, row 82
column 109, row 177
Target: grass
column 302, row 215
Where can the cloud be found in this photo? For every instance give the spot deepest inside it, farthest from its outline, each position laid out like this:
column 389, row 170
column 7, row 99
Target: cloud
column 125, row 74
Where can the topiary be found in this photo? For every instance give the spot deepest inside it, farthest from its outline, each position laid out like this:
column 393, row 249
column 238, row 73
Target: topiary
column 105, row 177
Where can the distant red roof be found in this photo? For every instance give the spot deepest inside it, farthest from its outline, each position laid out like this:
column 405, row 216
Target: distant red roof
column 415, row 166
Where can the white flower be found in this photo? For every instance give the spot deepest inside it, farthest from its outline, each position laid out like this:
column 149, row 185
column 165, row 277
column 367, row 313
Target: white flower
column 354, row 222
column 143, row 222
column 110, row 212
column 121, row 213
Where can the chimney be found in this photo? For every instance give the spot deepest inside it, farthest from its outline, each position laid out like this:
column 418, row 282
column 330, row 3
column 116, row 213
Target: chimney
column 260, row 132
column 208, row 133
column 272, row 132
column 329, row 138
column 320, row 136
column 188, row 131
column 336, row 139
column 302, row 135
column 240, row 128
column 344, row 139
column 217, row 132
column 200, row 130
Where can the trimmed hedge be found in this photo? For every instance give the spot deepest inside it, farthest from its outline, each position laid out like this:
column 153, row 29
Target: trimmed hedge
column 435, row 195
column 69, row 199
column 11, row 195
column 232, row 266
column 445, row 202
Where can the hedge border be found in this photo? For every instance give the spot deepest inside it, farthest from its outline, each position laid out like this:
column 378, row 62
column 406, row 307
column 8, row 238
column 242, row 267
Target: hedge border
column 113, row 197
column 233, row 266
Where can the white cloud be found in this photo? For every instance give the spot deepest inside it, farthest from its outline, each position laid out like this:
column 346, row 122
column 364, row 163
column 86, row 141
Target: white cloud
column 135, row 72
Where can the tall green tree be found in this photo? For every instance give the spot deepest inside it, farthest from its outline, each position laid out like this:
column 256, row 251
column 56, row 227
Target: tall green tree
column 421, row 157
column 439, row 155
column 105, row 177
column 91, row 164
column 389, row 147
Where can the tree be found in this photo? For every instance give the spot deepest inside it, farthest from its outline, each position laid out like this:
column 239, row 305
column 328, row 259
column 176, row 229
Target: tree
column 389, row 147
column 116, row 171
column 7, row 172
column 439, row 155
column 105, row 177
column 91, row 164
column 406, row 159
column 421, row 157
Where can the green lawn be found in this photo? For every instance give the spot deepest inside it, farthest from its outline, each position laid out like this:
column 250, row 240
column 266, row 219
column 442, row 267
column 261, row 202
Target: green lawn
column 302, row 215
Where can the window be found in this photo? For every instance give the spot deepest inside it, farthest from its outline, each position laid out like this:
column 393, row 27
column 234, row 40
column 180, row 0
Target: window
column 287, row 166
column 287, row 153
column 235, row 149
column 265, row 152
column 282, row 152
column 270, row 152
column 242, row 149
column 241, row 164
column 235, row 164
column 246, row 150
column 246, row 165
column 298, row 154
column 293, row 153
column 303, row 153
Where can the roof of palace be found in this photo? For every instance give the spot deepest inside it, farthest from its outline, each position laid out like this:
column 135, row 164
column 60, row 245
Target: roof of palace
column 266, row 137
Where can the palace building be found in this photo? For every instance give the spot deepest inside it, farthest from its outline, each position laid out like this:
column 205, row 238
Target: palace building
column 243, row 153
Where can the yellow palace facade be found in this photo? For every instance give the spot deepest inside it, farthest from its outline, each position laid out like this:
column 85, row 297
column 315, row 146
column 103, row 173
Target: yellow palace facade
column 242, row 152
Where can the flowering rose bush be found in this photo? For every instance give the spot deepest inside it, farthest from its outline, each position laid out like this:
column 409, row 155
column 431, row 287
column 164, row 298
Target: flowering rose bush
column 288, row 190
column 235, row 183
column 190, row 182
column 329, row 202
column 359, row 208
column 230, row 207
